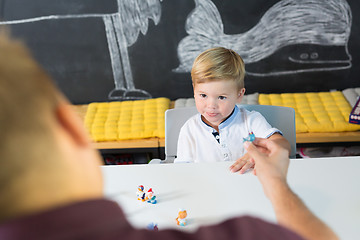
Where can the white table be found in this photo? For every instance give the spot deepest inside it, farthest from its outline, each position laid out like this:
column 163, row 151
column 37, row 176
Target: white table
column 211, row 194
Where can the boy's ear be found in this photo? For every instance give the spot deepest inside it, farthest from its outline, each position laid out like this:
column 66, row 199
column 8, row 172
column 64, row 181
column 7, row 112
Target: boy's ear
column 243, row 90
column 241, row 93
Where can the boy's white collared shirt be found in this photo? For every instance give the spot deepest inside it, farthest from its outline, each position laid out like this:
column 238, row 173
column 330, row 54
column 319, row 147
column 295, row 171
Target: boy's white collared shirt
column 197, row 143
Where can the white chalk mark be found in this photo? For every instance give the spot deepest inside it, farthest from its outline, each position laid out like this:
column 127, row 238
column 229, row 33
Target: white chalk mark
column 114, row 52
column 120, row 36
column 51, row 17
column 134, row 16
column 288, row 22
column 122, row 30
column 280, row 73
column 124, row 84
column 317, row 61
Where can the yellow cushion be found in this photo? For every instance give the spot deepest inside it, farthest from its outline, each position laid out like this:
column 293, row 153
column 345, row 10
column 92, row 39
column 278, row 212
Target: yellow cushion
column 315, row 112
column 112, row 121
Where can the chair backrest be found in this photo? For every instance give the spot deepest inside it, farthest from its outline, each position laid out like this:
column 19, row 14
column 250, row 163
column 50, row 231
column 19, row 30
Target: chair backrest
column 282, row 118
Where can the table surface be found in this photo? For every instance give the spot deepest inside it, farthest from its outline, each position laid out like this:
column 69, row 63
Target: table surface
column 160, row 142
column 211, row 194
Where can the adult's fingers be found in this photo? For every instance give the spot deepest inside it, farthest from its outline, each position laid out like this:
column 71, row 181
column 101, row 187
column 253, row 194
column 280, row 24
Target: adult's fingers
column 254, row 152
column 267, row 146
column 261, row 142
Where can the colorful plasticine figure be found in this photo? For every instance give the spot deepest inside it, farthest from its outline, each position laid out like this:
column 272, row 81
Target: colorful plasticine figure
column 181, row 219
column 249, row 138
column 150, row 197
column 140, row 193
column 152, row 226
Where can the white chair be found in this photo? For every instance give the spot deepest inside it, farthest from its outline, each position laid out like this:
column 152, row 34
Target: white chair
column 282, row 118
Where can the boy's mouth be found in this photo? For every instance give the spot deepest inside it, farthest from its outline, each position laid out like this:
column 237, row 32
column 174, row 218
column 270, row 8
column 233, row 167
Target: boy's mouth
column 211, row 114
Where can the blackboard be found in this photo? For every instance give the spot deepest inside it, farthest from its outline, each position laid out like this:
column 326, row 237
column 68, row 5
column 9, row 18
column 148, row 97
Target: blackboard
column 130, row 49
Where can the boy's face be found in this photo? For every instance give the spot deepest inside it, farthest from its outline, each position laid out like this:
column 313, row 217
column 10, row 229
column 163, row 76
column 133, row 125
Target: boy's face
column 216, row 100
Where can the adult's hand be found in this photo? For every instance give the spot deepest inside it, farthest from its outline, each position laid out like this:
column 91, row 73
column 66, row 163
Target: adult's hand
column 271, row 168
column 271, row 160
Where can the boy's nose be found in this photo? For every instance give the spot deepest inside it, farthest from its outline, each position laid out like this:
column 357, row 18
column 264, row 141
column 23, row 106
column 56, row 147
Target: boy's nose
column 212, row 103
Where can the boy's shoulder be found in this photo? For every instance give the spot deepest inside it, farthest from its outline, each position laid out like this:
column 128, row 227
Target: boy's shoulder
column 193, row 120
column 243, row 110
column 249, row 115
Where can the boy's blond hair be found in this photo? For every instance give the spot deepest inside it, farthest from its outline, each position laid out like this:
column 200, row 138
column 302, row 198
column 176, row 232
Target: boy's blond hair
column 218, row 64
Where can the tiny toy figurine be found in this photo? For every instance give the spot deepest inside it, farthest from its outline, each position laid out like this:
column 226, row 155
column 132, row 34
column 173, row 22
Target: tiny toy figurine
column 140, row 193
column 181, row 219
column 150, row 197
column 250, row 138
column 152, row 226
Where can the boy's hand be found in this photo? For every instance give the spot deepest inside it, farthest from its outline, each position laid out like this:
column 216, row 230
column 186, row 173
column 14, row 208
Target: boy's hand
column 242, row 164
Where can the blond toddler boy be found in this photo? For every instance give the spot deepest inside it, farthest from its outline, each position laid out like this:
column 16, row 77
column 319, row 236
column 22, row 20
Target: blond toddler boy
column 217, row 132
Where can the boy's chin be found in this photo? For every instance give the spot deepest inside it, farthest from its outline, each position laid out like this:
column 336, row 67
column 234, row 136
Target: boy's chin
column 213, row 124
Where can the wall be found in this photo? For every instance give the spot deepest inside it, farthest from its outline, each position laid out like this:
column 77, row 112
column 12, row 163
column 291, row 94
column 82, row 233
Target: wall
column 129, row 49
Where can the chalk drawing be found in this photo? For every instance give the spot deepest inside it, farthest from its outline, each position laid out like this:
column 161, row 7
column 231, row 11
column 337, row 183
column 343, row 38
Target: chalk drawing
column 122, row 30
column 309, row 24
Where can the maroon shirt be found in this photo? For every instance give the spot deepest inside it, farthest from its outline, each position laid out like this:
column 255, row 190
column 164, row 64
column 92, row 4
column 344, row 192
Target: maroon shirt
column 103, row 219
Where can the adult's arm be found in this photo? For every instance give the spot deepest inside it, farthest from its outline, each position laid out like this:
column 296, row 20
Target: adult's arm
column 271, row 168
column 282, row 141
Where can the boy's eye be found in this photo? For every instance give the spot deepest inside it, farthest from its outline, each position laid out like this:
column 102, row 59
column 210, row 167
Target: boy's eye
column 222, row 97
column 202, row 95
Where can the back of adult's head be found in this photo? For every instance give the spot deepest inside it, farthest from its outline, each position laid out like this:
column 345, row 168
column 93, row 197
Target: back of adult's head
column 27, row 100
column 25, row 89
column 33, row 140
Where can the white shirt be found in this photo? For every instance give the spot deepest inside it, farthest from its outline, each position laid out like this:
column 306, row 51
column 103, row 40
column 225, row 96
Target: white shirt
column 196, row 142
